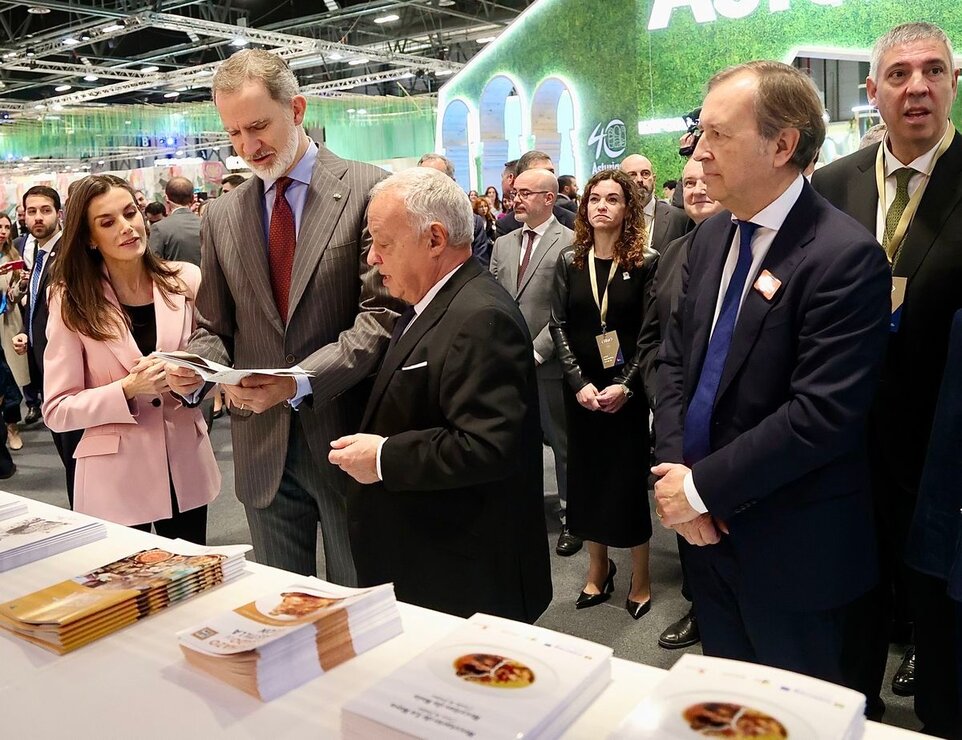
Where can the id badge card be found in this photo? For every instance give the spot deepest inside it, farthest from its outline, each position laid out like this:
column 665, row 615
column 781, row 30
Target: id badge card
column 899, row 285
column 610, row 349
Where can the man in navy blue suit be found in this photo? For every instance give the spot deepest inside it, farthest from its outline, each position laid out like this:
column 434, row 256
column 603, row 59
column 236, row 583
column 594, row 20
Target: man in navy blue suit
column 764, row 382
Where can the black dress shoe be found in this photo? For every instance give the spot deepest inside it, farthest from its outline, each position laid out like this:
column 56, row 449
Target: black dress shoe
column 13, row 469
column 568, row 544
column 585, row 599
column 903, row 683
column 33, row 415
column 637, row 609
column 682, row 633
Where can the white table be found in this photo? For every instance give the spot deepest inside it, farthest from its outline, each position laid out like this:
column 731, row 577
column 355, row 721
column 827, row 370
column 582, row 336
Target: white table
column 136, row 684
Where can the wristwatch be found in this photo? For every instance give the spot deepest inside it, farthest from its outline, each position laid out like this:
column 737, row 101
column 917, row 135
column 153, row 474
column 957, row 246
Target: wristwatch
column 628, row 392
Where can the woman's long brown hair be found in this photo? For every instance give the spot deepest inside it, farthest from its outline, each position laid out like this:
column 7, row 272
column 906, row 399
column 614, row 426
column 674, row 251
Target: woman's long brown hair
column 78, row 271
column 630, row 247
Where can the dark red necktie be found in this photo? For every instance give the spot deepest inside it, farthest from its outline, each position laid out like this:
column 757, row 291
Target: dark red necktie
column 281, row 240
column 526, row 256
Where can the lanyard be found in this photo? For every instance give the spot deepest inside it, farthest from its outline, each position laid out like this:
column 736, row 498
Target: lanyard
column 602, row 304
column 894, row 247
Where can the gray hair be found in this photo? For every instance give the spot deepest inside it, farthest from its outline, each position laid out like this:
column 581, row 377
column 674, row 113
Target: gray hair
column 260, row 66
column 433, row 157
column 906, row 34
column 430, row 196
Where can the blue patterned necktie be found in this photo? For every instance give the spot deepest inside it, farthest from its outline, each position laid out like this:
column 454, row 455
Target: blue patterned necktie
column 34, row 288
column 697, row 437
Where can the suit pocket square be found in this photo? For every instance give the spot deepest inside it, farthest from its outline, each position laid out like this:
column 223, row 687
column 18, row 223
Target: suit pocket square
column 415, row 367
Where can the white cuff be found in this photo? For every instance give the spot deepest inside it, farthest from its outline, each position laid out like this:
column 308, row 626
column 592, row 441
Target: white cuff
column 691, row 493
column 194, row 398
column 302, row 392
column 377, row 463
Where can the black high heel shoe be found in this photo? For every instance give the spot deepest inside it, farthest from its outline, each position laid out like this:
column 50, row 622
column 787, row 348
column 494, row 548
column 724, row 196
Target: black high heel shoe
column 637, row 609
column 585, row 599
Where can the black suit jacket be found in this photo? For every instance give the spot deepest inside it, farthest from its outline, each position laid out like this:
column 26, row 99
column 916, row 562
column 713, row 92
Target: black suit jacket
column 931, row 259
column 509, row 223
column 788, row 470
column 667, row 282
column 670, row 224
column 458, row 523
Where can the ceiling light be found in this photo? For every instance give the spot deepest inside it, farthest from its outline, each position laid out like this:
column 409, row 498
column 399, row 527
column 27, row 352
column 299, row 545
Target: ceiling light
column 356, row 62
column 30, row 52
column 351, row 110
column 239, row 41
column 111, row 28
column 91, row 78
column 389, row 18
column 85, row 37
column 9, row 54
column 335, row 57
column 57, row 106
column 150, row 68
column 100, row 161
column 486, row 39
column 26, row 159
column 70, row 41
column 193, row 37
column 127, row 123
column 39, row 106
column 444, row 73
column 62, row 88
column 36, row 10
column 406, row 75
column 181, row 89
column 172, row 94
column 331, row 5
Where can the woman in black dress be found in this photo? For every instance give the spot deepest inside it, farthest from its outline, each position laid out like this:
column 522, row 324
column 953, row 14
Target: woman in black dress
column 605, row 331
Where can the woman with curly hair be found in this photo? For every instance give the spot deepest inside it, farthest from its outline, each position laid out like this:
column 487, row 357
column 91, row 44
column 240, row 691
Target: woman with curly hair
column 604, row 326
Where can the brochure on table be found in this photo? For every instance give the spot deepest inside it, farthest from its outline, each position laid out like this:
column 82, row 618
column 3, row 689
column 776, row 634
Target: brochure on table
column 30, row 535
column 712, row 697
column 11, row 505
column 291, row 635
column 491, row 678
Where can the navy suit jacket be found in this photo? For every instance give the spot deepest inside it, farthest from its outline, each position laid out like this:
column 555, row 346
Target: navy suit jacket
column 788, row 469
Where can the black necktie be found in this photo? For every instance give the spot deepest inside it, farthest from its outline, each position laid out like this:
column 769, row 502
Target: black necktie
column 407, row 315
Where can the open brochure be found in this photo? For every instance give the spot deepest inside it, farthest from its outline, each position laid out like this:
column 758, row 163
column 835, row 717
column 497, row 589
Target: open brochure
column 72, row 613
column 704, row 697
column 491, row 678
column 292, row 635
column 214, row 372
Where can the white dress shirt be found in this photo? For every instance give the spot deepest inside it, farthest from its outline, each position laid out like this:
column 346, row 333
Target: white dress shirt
column 538, row 233
column 418, row 310
column 923, row 167
column 769, row 220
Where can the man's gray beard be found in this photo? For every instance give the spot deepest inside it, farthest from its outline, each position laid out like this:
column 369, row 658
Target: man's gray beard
column 284, row 160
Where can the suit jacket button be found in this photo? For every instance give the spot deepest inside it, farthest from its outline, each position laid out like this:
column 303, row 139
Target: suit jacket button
column 289, row 359
column 155, row 402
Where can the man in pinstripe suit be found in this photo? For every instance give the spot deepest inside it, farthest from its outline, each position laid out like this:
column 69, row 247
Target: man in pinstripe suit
column 285, row 281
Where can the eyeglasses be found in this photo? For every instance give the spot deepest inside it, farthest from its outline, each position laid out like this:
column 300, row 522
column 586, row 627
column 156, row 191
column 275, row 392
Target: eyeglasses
column 525, row 194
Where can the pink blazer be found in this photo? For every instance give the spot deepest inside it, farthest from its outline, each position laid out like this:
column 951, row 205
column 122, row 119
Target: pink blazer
column 122, row 460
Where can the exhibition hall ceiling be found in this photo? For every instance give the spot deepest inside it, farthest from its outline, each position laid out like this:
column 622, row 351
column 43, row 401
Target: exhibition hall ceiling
column 69, row 53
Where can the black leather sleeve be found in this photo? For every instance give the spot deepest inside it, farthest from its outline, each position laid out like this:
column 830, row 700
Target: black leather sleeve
column 559, row 322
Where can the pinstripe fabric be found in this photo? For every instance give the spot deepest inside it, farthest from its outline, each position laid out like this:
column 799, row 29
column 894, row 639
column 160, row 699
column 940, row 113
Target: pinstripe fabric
column 339, row 321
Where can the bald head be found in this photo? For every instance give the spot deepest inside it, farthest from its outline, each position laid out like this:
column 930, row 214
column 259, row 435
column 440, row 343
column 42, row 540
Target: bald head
column 639, row 169
column 536, row 191
column 179, row 191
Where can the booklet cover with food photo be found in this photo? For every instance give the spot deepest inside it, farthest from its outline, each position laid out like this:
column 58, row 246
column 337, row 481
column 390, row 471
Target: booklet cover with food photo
column 291, row 635
column 706, row 697
column 491, row 678
column 67, row 615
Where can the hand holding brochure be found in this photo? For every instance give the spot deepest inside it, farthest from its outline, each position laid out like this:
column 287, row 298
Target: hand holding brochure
column 214, row 372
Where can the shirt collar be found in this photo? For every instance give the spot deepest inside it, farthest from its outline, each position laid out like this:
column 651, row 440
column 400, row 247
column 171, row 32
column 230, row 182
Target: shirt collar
column 49, row 246
column 650, row 208
column 921, row 164
column 429, row 296
column 302, row 171
column 774, row 214
column 539, row 230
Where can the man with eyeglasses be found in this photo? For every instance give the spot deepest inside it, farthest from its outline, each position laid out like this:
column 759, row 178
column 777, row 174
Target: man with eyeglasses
column 533, row 160
column 524, row 263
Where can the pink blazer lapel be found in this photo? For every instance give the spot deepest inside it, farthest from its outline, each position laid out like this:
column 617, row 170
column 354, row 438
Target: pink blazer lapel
column 124, row 348
column 170, row 320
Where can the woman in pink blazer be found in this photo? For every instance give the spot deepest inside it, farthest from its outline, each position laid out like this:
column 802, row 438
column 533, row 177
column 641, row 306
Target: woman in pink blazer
column 144, row 458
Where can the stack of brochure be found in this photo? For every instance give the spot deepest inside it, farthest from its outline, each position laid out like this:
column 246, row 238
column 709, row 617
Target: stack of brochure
column 11, row 505
column 292, row 635
column 70, row 614
column 491, row 678
column 33, row 536
column 713, row 697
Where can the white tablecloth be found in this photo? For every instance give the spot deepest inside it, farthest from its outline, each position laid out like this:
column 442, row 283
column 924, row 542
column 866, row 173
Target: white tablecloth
column 136, row 684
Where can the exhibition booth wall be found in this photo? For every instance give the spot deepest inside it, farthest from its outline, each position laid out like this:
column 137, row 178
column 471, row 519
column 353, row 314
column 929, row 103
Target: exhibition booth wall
column 592, row 87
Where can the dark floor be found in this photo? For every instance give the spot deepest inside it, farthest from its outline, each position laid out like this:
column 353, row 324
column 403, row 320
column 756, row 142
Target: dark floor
column 40, row 476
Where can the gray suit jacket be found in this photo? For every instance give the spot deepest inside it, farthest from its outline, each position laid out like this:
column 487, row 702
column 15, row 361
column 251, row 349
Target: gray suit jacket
column 534, row 294
column 339, row 324
column 670, row 223
column 177, row 237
